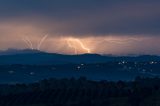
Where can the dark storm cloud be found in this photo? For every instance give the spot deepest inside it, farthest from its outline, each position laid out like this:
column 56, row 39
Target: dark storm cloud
column 86, row 17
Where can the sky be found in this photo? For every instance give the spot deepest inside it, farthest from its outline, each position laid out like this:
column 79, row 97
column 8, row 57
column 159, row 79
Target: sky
column 118, row 27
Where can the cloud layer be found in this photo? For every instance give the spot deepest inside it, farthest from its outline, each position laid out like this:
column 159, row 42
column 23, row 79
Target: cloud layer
column 83, row 19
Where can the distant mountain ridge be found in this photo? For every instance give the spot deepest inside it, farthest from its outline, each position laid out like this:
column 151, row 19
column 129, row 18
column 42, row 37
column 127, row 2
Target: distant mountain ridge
column 11, row 51
column 35, row 57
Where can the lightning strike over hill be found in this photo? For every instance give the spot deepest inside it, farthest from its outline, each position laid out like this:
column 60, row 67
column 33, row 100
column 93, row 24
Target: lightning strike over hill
column 41, row 41
column 76, row 43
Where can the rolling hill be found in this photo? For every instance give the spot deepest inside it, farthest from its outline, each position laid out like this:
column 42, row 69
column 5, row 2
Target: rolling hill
column 31, row 57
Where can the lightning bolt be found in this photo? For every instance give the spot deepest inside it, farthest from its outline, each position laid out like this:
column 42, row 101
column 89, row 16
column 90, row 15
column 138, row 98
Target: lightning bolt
column 25, row 41
column 71, row 46
column 28, row 42
column 82, row 46
column 79, row 42
column 41, row 41
column 121, row 41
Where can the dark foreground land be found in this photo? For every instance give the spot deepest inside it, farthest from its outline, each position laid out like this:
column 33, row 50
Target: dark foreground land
column 82, row 92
